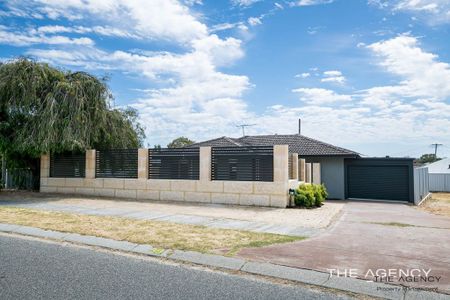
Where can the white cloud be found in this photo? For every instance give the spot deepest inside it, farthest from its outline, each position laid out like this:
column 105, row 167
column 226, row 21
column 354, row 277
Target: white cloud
column 157, row 19
column 223, row 26
column 320, row 96
column 313, row 30
column 278, row 5
column 337, row 79
column 221, row 52
column 421, row 5
column 189, row 95
column 193, row 2
column 100, row 30
column 432, row 11
column 414, row 110
column 332, row 73
column 310, row 2
column 303, row 75
column 20, row 39
column 422, row 75
column 253, row 21
column 333, row 76
column 244, row 3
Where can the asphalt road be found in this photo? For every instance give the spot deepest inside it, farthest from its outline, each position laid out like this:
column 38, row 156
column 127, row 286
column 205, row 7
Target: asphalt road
column 31, row 269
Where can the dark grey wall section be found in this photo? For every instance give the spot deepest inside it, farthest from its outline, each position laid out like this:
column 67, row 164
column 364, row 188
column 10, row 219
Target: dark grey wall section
column 332, row 175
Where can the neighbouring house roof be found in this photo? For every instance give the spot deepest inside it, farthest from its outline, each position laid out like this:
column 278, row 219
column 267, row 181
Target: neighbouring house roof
column 297, row 143
column 440, row 166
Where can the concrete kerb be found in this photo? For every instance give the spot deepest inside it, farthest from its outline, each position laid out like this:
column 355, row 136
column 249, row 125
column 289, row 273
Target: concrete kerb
column 100, row 242
column 294, row 274
column 370, row 288
column 208, row 259
column 305, row 276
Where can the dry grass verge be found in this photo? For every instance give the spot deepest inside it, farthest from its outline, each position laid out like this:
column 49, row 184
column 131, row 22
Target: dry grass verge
column 439, row 204
column 156, row 233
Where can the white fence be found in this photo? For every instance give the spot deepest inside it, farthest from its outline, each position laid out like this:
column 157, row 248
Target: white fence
column 439, row 182
column 421, row 184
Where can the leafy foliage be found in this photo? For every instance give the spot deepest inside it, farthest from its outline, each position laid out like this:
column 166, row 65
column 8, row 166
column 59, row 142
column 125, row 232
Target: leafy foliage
column 44, row 109
column 310, row 195
column 428, row 158
column 180, row 142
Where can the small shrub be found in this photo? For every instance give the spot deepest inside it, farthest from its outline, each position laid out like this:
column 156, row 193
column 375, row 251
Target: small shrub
column 310, row 195
column 304, row 196
column 320, row 194
column 317, row 195
column 324, row 191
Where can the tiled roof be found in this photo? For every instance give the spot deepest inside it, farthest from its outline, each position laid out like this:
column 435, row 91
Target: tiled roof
column 219, row 142
column 300, row 144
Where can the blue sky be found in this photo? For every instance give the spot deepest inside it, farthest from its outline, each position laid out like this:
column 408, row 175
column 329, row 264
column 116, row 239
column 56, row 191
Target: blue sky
column 372, row 76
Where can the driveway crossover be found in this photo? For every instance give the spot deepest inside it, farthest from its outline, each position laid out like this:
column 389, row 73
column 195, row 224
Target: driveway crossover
column 356, row 241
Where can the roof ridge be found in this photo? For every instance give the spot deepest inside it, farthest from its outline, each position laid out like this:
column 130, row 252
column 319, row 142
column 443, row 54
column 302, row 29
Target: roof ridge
column 327, row 144
column 216, row 139
column 297, row 143
column 231, row 140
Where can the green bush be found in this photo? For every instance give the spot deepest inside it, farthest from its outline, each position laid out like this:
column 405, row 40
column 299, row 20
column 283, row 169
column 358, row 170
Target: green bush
column 304, row 196
column 310, row 195
column 324, row 191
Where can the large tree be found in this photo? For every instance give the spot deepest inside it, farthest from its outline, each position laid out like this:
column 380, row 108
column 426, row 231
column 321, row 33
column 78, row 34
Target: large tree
column 180, row 142
column 44, row 109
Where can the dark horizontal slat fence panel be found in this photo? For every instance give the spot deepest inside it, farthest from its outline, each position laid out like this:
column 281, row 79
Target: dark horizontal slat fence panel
column 242, row 163
column 182, row 163
column 117, row 163
column 68, row 165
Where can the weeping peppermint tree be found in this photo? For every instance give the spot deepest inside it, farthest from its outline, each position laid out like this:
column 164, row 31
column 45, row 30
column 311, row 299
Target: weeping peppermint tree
column 47, row 110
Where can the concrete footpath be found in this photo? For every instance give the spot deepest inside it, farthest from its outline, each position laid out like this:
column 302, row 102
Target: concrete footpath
column 133, row 213
column 235, row 264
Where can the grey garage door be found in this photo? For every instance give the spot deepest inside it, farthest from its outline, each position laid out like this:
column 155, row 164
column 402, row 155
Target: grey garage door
column 378, row 179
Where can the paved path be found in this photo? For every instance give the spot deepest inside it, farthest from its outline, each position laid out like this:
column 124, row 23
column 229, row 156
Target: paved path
column 356, row 242
column 225, row 223
column 38, row 270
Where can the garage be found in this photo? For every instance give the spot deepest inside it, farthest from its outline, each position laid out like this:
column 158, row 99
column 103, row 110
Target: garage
column 389, row 179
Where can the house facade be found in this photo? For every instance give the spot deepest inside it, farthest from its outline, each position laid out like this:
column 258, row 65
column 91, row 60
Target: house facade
column 251, row 170
column 344, row 172
column 331, row 158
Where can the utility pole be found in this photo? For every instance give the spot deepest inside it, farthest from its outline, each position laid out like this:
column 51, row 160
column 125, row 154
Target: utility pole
column 436, row 145
column 243, row 127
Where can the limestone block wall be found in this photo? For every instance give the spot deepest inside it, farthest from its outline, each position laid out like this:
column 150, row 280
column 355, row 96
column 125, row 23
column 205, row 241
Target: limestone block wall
column 301, row 170
column 274, row 194
column 316, row 178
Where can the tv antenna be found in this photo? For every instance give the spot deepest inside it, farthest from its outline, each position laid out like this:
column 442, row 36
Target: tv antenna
column 243, row 127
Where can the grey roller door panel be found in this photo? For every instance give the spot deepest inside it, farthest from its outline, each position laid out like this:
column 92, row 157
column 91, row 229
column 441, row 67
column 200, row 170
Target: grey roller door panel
column 389, row 182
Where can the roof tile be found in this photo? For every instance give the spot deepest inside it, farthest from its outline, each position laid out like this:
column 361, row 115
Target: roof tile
column 300, row 144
